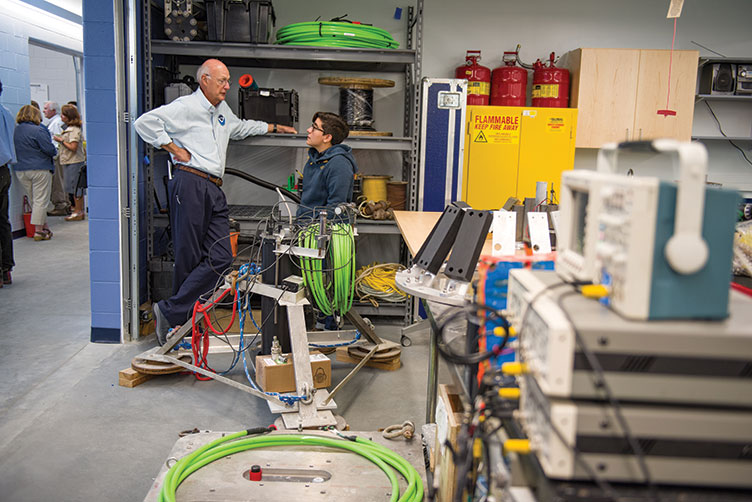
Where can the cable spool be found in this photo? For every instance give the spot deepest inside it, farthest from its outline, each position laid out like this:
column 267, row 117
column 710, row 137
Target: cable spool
column 396, row 193
column 374, row 187
column 356, row 102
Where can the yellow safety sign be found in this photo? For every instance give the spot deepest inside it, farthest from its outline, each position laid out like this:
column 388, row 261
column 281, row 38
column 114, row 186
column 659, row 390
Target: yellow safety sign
column 497, row 128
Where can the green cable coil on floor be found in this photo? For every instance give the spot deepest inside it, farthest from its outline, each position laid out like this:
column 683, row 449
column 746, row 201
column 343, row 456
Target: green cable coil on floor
column 333, row 292
column 382, row 457
column 336, row 34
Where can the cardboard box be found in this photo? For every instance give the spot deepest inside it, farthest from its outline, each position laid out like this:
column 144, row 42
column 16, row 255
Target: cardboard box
column 273, row 377
column 221, row 318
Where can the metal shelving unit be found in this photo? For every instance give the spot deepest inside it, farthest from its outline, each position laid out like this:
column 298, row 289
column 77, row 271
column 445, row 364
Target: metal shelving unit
column 736, row 98
column 306, row 58
column 391, row 143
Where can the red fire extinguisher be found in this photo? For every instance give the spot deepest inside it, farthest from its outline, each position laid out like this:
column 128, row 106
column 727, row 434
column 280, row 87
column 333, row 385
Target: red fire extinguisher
column 478, row 79
column 550, row 84
column 509, row 82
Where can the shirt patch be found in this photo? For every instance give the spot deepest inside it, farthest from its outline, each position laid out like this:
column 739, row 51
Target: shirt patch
column 221, row 119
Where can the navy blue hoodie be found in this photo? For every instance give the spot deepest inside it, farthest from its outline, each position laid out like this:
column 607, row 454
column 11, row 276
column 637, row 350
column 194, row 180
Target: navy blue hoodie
column 327, row 178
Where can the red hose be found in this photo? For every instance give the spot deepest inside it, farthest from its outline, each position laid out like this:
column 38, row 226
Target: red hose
column 199, row 343
column 742, row 289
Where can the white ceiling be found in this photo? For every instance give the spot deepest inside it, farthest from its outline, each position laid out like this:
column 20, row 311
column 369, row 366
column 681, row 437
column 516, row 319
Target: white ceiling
column 74, row 6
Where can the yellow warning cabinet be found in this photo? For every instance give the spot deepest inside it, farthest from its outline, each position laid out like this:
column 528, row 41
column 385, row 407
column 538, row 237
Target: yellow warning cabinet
column 509, row 148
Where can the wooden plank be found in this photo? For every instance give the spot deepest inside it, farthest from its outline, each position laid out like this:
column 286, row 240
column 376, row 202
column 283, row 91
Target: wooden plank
column 416, row 225
column 131, row 378
column 392, row 365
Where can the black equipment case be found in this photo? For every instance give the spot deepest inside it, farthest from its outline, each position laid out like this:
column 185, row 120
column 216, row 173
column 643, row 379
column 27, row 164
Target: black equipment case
column 275, row 106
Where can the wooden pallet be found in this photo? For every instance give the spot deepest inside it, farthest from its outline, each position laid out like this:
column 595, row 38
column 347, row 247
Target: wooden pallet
column 392, row 364
column 131, row 378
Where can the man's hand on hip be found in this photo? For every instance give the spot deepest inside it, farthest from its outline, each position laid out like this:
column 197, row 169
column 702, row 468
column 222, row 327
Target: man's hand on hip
column 179, row 154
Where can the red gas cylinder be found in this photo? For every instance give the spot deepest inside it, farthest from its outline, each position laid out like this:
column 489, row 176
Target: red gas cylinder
column 478, row 79
column 550, row 85
column 509, row 83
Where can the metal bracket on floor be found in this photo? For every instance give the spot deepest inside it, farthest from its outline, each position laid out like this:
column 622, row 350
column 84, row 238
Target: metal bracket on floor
column 314, row 409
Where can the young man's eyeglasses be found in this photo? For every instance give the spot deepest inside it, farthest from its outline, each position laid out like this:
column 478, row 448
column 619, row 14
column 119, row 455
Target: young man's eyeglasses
column 316, row 128
column 221, row 81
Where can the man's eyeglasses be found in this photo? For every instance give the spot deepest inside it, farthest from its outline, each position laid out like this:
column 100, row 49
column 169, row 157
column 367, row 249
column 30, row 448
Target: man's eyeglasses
column 317, row 128
column 221, row 81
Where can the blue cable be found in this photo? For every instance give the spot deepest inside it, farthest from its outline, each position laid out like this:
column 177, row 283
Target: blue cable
column 287, row 399
column 343, row 344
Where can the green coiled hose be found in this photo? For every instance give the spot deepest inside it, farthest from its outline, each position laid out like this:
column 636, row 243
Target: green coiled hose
column 384, row 458
column 332, row 292
column 336, row 34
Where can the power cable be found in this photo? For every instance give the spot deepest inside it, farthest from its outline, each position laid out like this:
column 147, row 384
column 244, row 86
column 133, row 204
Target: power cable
column 744, row 154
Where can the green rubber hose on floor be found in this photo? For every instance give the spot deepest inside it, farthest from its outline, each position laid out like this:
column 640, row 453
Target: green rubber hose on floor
column 384, row 458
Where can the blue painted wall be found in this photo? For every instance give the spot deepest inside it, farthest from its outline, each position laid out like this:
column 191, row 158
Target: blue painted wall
column 104, row 224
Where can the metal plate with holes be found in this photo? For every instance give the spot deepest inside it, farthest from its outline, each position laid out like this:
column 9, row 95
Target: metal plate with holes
column 351, row 477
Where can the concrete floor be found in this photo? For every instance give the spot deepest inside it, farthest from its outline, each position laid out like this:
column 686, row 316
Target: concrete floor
column 69, row 432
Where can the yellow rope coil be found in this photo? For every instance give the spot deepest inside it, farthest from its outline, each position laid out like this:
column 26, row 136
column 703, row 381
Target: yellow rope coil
column 375, row 283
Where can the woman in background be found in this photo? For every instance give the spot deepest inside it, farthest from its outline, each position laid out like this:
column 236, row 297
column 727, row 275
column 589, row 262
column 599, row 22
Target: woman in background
column 34, row 166
column 72, row 157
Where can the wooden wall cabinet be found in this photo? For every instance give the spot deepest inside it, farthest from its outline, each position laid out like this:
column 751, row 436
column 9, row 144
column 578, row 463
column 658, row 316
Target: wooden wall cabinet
column 618, row 93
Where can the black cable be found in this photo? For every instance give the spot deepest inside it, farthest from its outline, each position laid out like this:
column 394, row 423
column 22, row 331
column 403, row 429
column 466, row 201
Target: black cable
column 464, row 359
column 744, row 154
column 262, row 183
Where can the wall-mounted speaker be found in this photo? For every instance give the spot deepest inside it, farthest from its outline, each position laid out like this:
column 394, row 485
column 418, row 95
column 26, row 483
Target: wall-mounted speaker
column 718, row 78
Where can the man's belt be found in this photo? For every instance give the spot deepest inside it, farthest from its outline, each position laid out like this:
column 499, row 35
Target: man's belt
column 206, row 176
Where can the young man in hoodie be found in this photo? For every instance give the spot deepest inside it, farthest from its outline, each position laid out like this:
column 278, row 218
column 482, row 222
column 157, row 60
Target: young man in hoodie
column 328, row 174
column 327, row 177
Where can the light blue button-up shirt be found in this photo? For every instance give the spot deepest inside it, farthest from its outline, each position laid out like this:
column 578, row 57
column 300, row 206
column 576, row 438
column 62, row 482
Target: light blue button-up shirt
column 191, row 122
column 7, row 151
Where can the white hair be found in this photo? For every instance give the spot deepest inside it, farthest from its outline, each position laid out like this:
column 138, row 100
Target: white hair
column 53, row 105
column 202, row 70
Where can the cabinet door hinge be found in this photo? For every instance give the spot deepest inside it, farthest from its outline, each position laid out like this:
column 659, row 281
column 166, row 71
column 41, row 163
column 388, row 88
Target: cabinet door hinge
column 126, row 117
column 127, row 304
column 126, row 212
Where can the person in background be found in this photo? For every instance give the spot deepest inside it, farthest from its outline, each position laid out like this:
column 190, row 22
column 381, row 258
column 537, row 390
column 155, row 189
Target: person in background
column 196, row 130
column 34, row 166
column 35, row 105
column 72, row 157
column 58, row 196
column 7, row 157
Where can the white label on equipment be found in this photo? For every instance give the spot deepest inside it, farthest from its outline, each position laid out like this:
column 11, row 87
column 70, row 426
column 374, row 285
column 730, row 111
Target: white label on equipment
column 504, row 231
column 540, row 240
column 555, row 221
column 442, row 424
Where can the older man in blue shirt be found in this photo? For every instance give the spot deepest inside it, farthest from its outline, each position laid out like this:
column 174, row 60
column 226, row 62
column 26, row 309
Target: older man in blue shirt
column 196, row 130
column 7, row 157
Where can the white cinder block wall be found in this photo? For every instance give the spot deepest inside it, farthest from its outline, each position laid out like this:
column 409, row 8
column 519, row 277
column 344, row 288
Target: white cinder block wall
column 54, row 69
